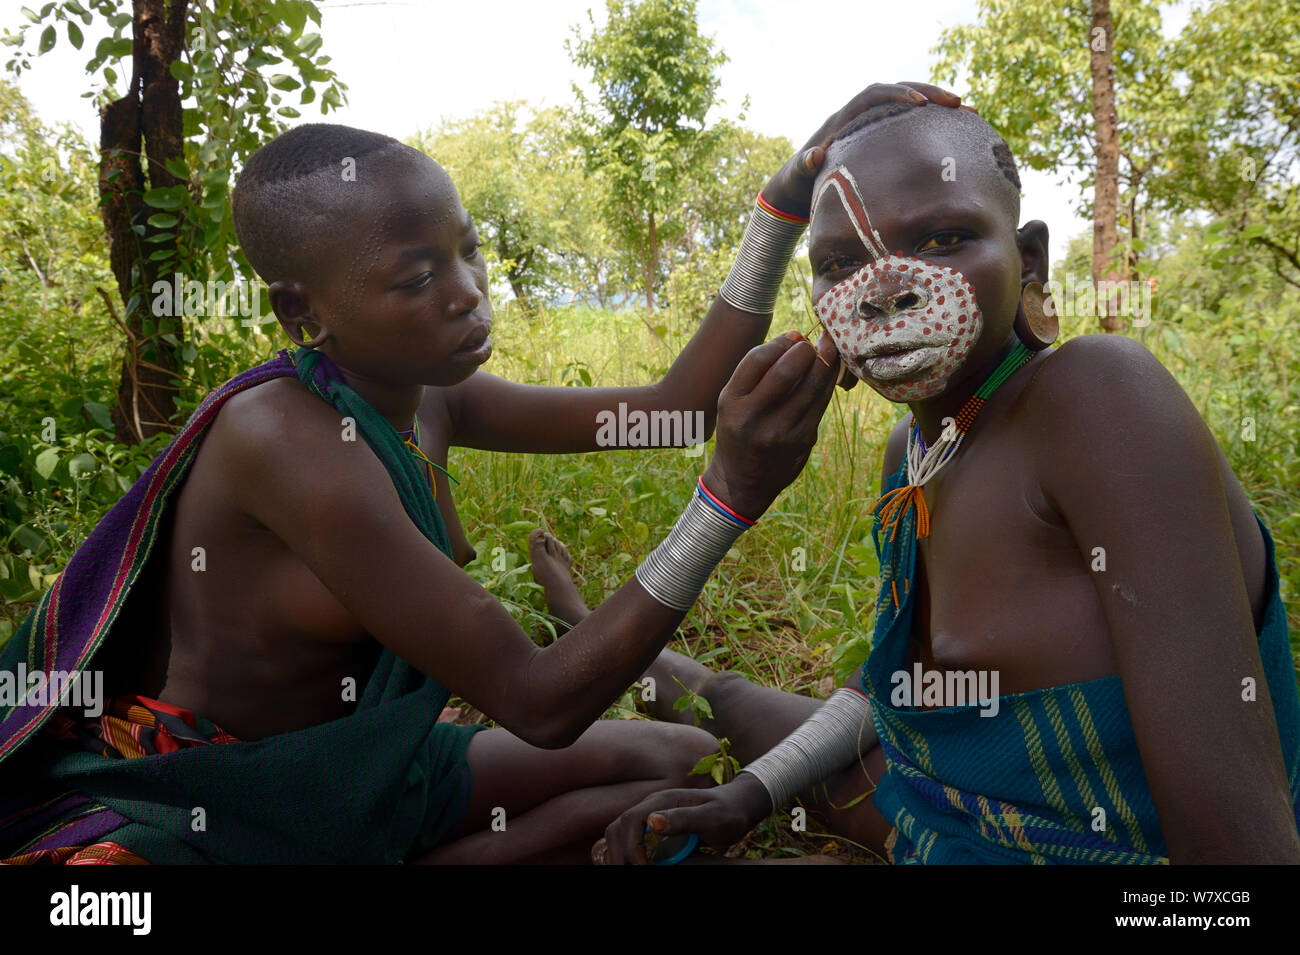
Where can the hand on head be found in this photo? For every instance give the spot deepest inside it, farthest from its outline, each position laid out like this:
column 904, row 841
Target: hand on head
column 790, row 190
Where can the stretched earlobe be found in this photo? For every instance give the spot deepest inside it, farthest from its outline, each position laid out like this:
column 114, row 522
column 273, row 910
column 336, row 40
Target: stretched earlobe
column 1036, row 322
column 311, row 334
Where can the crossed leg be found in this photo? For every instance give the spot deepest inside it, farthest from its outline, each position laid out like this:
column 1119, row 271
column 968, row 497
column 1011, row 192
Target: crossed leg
column 557, row 803
column 753, row 718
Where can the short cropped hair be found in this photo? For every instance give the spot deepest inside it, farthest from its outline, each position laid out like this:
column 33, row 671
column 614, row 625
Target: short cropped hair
column 289, row 194
column 967, row 128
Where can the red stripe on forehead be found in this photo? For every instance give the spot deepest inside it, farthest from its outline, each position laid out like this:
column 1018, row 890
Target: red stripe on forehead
column 852, row 201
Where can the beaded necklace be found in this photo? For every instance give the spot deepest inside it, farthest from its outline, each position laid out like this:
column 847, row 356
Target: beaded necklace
column 924, row 463
column 411, row 438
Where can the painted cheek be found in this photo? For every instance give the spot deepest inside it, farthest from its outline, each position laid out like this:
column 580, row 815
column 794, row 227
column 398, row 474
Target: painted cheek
column 948, row 316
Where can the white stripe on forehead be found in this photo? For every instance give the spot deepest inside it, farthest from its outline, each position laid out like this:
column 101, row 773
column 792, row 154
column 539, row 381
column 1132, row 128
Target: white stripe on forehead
column 866, row 232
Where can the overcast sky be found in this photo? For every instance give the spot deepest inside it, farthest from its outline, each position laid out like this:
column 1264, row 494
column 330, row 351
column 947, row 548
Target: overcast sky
column 408, row 63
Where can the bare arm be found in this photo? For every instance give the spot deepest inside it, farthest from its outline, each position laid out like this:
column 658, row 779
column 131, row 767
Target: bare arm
column 334, row 505
column 499, row 415
column 1132, row 468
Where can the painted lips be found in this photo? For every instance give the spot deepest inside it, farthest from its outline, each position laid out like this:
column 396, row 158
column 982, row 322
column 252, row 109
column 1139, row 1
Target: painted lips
column 895, row 363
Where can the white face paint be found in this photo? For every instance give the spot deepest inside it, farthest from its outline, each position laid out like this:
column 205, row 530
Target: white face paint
column 901, row 324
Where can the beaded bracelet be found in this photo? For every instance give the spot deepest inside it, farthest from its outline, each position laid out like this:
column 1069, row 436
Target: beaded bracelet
column 754, row 281
column 825, row 743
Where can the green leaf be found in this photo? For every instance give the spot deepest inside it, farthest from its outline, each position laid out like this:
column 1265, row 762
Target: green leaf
column 48, row 36
column 176, row 166
column 74, row 35
column 283, row 81
column 31, row 15
column 100, row 415
column 294, row 16
column 82, row 464
column 162, row 199
column 705, row 765
column 309, row 44
column 47, row 461
column 163, row 220
column 28, row 539
column 288, row 111
column 180, row 70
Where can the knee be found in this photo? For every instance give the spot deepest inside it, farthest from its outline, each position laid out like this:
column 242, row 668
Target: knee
column 722, row 687
column 676, row 752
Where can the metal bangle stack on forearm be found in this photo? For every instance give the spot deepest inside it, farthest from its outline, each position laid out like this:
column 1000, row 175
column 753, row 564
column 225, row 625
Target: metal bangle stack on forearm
column 823, row 744
column 754, row 281
column 675, row 572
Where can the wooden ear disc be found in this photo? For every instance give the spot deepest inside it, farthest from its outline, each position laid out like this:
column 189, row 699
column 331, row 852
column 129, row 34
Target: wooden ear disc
column 1036, row 324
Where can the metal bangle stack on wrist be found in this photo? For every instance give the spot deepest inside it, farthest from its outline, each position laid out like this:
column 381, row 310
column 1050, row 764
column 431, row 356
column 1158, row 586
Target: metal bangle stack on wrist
column 823, row 744
column 754, row 281
column 676, row 570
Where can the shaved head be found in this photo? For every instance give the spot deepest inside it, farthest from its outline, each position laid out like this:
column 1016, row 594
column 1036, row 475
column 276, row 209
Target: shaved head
column 935, row 133
column 301, row 193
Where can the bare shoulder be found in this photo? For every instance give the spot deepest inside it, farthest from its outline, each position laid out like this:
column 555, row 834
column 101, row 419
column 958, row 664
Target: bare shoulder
column 277, row 435
column 1103, row 409
column 1109, row 393
column 262, row 420
column 1098, row 369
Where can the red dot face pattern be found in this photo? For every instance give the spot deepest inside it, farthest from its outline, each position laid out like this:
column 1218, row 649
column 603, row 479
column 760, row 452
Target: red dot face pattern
column 902, row 325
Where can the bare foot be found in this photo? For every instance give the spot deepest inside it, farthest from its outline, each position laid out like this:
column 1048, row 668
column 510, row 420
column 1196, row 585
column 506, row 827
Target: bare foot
column 552, row 568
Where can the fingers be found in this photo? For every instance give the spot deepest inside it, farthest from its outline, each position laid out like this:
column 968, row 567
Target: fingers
column 873, row 95
column 934, row 94
column 756, row 364
column 685, row 820
column 786, row 372
column 625, row 836
column 808, row 402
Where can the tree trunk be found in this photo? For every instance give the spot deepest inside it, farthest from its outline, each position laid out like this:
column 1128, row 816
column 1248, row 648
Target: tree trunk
column 1105, row 207
column 145, row 122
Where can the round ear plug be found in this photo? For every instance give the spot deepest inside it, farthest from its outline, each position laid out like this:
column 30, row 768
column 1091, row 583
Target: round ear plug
column 1036, row 323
